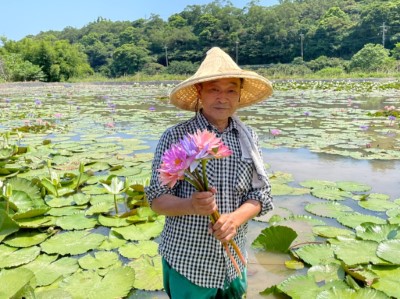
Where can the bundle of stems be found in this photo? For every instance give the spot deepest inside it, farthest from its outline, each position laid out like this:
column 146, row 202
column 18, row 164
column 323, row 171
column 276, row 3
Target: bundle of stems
column 200, row 182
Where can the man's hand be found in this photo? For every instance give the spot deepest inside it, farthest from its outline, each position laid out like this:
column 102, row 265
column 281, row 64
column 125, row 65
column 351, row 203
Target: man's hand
column 225, row 228
column 203, row 203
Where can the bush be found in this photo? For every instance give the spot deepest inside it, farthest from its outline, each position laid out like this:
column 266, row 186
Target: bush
column 331, row 72
column 181, row 67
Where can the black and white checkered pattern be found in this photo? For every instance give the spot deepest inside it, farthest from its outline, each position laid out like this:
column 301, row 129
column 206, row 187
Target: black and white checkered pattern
column 185, row 242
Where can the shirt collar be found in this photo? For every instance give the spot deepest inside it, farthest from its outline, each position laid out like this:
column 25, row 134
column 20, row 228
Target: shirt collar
column 203, row 123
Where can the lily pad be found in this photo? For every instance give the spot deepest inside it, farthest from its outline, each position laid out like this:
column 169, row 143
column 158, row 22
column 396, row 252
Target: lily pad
column 75, row 242
column 13, row 281
column 26, row 238
column 389, row 251
column 49, row 268
column 136, row 250
column 116, row 283
column 148, row 273
column 101, row 259
column 13, row 257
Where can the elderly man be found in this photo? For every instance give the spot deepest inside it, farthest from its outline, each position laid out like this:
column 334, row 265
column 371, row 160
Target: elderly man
column 195, row 265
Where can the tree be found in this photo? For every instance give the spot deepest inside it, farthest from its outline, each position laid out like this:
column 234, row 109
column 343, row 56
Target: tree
column 371, row 57
column 128, row 59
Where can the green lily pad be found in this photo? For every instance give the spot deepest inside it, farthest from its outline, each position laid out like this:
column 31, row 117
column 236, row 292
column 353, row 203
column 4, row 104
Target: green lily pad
column 352, row 186
column 389, row 279
column 101, row 259
column 355, row 219
column 141, row 231
column 75, row 242
column 378, row 205
column 116, row 283
column 13, row 281
column 331, row 231
column 349, row 252
column 314, row 254
column 148, row 273
column 275, row 238
column 13, row 257
column 50, row 268
column 328, row 209
column 136, row 250
column 76, row 221
column 327, row 272
column 331, row 193
column 377, row 232
column 7, row 225
column 389, row 251
column 26, row 238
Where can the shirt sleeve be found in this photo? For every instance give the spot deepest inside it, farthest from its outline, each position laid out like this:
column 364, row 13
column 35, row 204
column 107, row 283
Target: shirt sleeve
column 155, row 189
column 263, row 194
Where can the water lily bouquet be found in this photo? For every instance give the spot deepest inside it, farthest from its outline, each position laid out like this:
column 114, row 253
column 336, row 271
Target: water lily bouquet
column 180, row 162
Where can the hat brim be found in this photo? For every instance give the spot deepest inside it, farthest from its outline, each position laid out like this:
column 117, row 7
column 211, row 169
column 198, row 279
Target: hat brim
column 255, row 89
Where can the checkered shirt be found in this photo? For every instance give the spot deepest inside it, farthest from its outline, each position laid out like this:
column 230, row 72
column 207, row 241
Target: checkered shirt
column 185, row 242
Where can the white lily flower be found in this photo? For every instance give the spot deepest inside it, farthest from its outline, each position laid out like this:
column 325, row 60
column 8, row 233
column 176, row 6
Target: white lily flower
column 115, row 187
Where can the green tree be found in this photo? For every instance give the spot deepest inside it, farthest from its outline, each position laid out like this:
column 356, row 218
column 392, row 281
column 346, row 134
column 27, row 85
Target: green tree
column 371, row 57
column 129, row 59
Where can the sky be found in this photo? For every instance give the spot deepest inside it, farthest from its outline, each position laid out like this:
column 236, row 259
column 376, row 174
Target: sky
column 19, row 18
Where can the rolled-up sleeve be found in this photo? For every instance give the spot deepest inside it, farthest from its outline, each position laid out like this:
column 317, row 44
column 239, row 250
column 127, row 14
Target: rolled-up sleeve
column 155, row 189
column 262, row 194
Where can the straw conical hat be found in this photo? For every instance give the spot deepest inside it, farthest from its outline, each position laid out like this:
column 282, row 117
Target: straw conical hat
column 219, row 65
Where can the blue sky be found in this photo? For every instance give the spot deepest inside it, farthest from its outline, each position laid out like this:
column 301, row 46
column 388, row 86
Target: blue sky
column 19, row 18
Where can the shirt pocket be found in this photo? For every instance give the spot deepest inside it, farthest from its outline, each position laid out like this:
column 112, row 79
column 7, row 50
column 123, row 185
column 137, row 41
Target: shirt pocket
column 244, row 175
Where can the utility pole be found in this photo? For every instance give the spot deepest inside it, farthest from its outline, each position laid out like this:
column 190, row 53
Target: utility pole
column 384, row 29
column 166, row 56
column 301, row 46
column 237, row 51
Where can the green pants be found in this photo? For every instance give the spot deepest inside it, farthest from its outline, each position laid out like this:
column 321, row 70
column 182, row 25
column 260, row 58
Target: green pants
column 178, row 286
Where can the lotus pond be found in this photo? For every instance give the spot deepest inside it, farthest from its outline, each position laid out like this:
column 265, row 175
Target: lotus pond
column 74, row 221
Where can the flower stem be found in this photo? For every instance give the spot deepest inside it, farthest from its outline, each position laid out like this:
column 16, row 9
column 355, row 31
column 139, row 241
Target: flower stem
column 115, row 204
column 203, row 166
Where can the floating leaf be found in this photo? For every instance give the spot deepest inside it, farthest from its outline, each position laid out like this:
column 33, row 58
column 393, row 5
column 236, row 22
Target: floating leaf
column 379, row 205
column 13, row 257
column 327, row 272
column 377, row 232
column 353, row 186
column 349, row 252
column 141, row 231
column 275, row 238
column 331, row 231
column 351, row 294
column 13, row 281
column 355, row 219
column 327, row 209
column 331, row 193
column 116, row 283
column 314, row 254
column 295, row 265
column 389, row 251
column 75, row 242
column 148, row 273
column 136, row 250
column 7, row 225
column 389, row 279
column 48, row 268
column 76, row 221
column 101, row 259
column 26, row 238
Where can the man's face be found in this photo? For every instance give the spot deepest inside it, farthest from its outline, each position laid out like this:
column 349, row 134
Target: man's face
column 219, row 98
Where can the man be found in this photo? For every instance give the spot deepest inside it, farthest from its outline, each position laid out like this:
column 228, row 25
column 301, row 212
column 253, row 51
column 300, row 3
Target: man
column 195, row 264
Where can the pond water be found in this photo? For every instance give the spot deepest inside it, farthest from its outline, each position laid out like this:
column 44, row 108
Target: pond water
column 320, row 139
